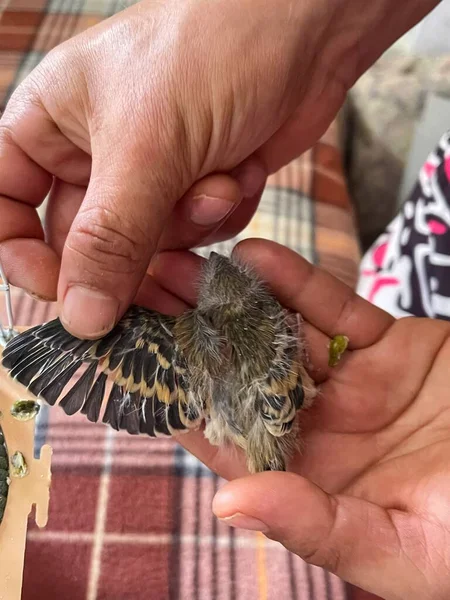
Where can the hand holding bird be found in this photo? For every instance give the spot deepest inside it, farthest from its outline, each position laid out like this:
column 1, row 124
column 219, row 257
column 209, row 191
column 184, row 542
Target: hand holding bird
column 368, row 495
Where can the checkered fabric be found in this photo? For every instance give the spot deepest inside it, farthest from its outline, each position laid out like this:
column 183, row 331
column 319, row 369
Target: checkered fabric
column 130, row 517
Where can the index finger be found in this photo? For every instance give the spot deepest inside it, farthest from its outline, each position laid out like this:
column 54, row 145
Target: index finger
column 28, row 261
column 324, row 301
column 327, row 303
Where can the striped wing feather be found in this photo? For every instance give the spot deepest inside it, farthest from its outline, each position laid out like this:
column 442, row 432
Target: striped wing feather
column 138, row 368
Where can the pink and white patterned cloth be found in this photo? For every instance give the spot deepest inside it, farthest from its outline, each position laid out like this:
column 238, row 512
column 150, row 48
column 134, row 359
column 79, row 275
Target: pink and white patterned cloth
column 407, row 270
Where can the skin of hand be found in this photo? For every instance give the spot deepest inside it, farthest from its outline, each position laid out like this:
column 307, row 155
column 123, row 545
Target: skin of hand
column 368, row 495
column 179, row 99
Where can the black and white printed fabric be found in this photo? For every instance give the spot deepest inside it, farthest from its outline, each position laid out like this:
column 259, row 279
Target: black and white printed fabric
column 407, row 270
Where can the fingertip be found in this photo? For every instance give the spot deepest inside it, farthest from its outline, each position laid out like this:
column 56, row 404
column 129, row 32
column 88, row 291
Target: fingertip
column 262, row 252
column 178, row 271
column 211, row 200
column 208, row 211
column 237, row 221
column 251, row 176
column 254, row 494
column 321, row 298
column 89, row 313
column 207, row 205
column 153, row 296
column 32, row 266
column 225, row 501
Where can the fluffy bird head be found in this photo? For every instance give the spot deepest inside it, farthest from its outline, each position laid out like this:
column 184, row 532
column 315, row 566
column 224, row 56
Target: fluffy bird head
column 233, row 291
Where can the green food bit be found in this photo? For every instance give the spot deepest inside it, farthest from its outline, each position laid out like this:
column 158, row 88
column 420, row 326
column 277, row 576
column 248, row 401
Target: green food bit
column 25, row 410
column 3, row 475
column 19, row 467
column 338, row 346
column 3, row 463
column 4, row 487
column 2, row 450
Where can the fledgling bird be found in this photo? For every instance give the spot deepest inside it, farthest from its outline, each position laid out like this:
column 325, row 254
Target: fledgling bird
column 233, row 362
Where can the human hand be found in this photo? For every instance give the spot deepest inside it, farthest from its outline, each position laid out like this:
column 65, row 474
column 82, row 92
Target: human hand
column 367, row 498
column 125, row 119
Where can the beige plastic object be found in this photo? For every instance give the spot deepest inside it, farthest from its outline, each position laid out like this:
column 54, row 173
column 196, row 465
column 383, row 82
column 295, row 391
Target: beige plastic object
column 33, row 489
column 24, row 492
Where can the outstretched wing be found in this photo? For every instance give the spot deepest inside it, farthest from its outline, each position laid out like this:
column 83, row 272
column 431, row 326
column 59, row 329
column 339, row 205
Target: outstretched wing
column 137, row 368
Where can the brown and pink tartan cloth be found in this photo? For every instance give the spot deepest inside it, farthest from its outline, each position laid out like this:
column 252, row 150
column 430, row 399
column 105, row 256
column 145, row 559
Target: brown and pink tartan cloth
column 130, row 517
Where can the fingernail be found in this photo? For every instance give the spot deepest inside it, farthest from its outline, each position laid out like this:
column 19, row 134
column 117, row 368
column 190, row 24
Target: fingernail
column 241, row 521
column 251, row 178
column 207, row 210
column 89, row 313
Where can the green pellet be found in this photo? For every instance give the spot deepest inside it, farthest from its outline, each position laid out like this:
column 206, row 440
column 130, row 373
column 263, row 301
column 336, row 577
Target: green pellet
column 2, row 450
column 3, row 475
column 338, row 346
column 4, row 488
column 2, row 502
column 19, row 467
column 25, row 410
column 3, row 463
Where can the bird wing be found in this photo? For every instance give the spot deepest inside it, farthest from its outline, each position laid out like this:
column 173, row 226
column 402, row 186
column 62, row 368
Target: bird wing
column 138, row 367
column 287, row 385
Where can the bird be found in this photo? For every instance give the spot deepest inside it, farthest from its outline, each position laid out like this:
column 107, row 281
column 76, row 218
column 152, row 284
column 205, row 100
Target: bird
column 233, row 366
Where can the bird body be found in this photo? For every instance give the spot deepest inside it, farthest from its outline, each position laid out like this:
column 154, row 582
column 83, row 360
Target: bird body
column 232, row 362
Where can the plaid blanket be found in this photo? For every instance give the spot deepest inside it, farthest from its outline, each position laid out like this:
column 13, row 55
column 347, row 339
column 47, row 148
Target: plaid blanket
column 130, row 517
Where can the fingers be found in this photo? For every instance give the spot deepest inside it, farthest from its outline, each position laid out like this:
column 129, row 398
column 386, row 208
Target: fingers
column 228, row 462
column 32, row 149
column 63, row 205
column 251, row 176
column 20, row 177
column 320, row 298
column 178, row 272
column 316, row 351
column 235, row 223
column 32, row 265
column 327, row 305
column 153, row 296
column 205, row 198
column 216, row 208
column 203, row 209
column 323, row 301
column 38, row 136
column 107, row 252
column 27, row 260
column 357, row 540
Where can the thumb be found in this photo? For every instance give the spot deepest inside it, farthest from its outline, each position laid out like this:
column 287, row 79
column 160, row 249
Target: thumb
column 356, row 540
column 109, row 247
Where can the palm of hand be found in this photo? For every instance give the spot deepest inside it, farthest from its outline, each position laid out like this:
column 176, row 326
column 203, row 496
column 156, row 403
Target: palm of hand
column 382, row 406
column 381, row 433
column 372, row 500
